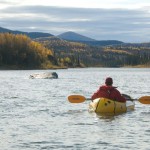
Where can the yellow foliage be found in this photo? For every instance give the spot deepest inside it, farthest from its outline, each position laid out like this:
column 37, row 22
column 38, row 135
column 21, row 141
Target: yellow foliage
column 20, row 49
column 116, row 51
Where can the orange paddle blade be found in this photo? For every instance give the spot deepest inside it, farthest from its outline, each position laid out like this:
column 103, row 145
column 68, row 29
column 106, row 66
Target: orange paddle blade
column 76, row 98
column 144, row 100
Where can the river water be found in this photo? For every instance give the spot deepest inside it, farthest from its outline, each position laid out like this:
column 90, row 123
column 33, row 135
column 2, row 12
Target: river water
column 36, row 115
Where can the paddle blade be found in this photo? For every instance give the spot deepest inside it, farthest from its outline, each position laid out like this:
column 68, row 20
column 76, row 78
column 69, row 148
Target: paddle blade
column 144, row 100
column 76, row 98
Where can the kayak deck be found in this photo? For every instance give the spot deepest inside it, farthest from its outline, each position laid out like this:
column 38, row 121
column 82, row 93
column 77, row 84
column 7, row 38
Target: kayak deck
column 104, row 105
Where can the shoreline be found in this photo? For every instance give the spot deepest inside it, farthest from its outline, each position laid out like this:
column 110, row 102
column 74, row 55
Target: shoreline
column 55, row 68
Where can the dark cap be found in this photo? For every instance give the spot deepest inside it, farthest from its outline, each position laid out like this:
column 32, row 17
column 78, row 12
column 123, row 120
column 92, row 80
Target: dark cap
column 109, row 81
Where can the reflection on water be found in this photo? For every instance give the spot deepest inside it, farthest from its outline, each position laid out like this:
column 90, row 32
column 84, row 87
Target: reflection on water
column 108, row 116
column 35, row 114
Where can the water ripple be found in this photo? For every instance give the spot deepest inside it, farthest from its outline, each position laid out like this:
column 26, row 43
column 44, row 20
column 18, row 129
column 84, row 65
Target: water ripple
column 36, row 115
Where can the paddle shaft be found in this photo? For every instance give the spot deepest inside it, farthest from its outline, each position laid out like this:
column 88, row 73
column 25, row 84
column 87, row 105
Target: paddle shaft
column 80, row 99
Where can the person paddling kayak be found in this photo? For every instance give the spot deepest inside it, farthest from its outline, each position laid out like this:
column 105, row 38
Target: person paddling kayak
column 108, row 91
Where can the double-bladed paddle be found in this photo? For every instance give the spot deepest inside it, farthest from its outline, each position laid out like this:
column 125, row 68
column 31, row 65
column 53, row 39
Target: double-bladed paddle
column 81, row 98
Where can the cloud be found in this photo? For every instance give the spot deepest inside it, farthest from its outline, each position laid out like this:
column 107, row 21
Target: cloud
column 101, row 24
column 8, row 3
column 84, row 3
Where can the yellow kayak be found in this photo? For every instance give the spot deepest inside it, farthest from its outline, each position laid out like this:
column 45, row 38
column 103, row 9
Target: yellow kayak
column 104, row 105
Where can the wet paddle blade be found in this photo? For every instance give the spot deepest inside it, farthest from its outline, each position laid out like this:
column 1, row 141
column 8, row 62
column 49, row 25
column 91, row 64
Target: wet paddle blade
column 144, row 100
column 76, row 98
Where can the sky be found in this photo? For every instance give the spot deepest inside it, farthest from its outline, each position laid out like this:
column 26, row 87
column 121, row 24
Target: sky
column 124, row 20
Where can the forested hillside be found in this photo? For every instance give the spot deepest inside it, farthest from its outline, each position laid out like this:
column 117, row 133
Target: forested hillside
column 129, row 55
column 20, row 52
column 74, row 54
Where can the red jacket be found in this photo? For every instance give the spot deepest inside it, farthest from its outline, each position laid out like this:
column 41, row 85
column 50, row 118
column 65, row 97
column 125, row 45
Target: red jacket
column 109, row 92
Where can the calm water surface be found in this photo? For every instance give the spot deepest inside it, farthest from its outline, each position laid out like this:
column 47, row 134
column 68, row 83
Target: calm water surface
column 35, row 113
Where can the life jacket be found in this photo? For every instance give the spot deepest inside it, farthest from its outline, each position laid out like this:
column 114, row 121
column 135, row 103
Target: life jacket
column 109, row 92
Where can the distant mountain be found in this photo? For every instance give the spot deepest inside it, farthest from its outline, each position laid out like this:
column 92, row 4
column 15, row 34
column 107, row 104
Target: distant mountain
column 68, row 36
column 30, row 34
column 37, row 34
column 3, row 30
column 72, row 36
column 75, row 37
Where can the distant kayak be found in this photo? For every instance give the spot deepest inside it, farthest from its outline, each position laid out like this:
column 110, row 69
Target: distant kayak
column 104, row 105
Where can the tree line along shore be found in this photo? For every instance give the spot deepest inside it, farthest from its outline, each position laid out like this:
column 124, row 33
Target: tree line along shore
column 18, row 51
